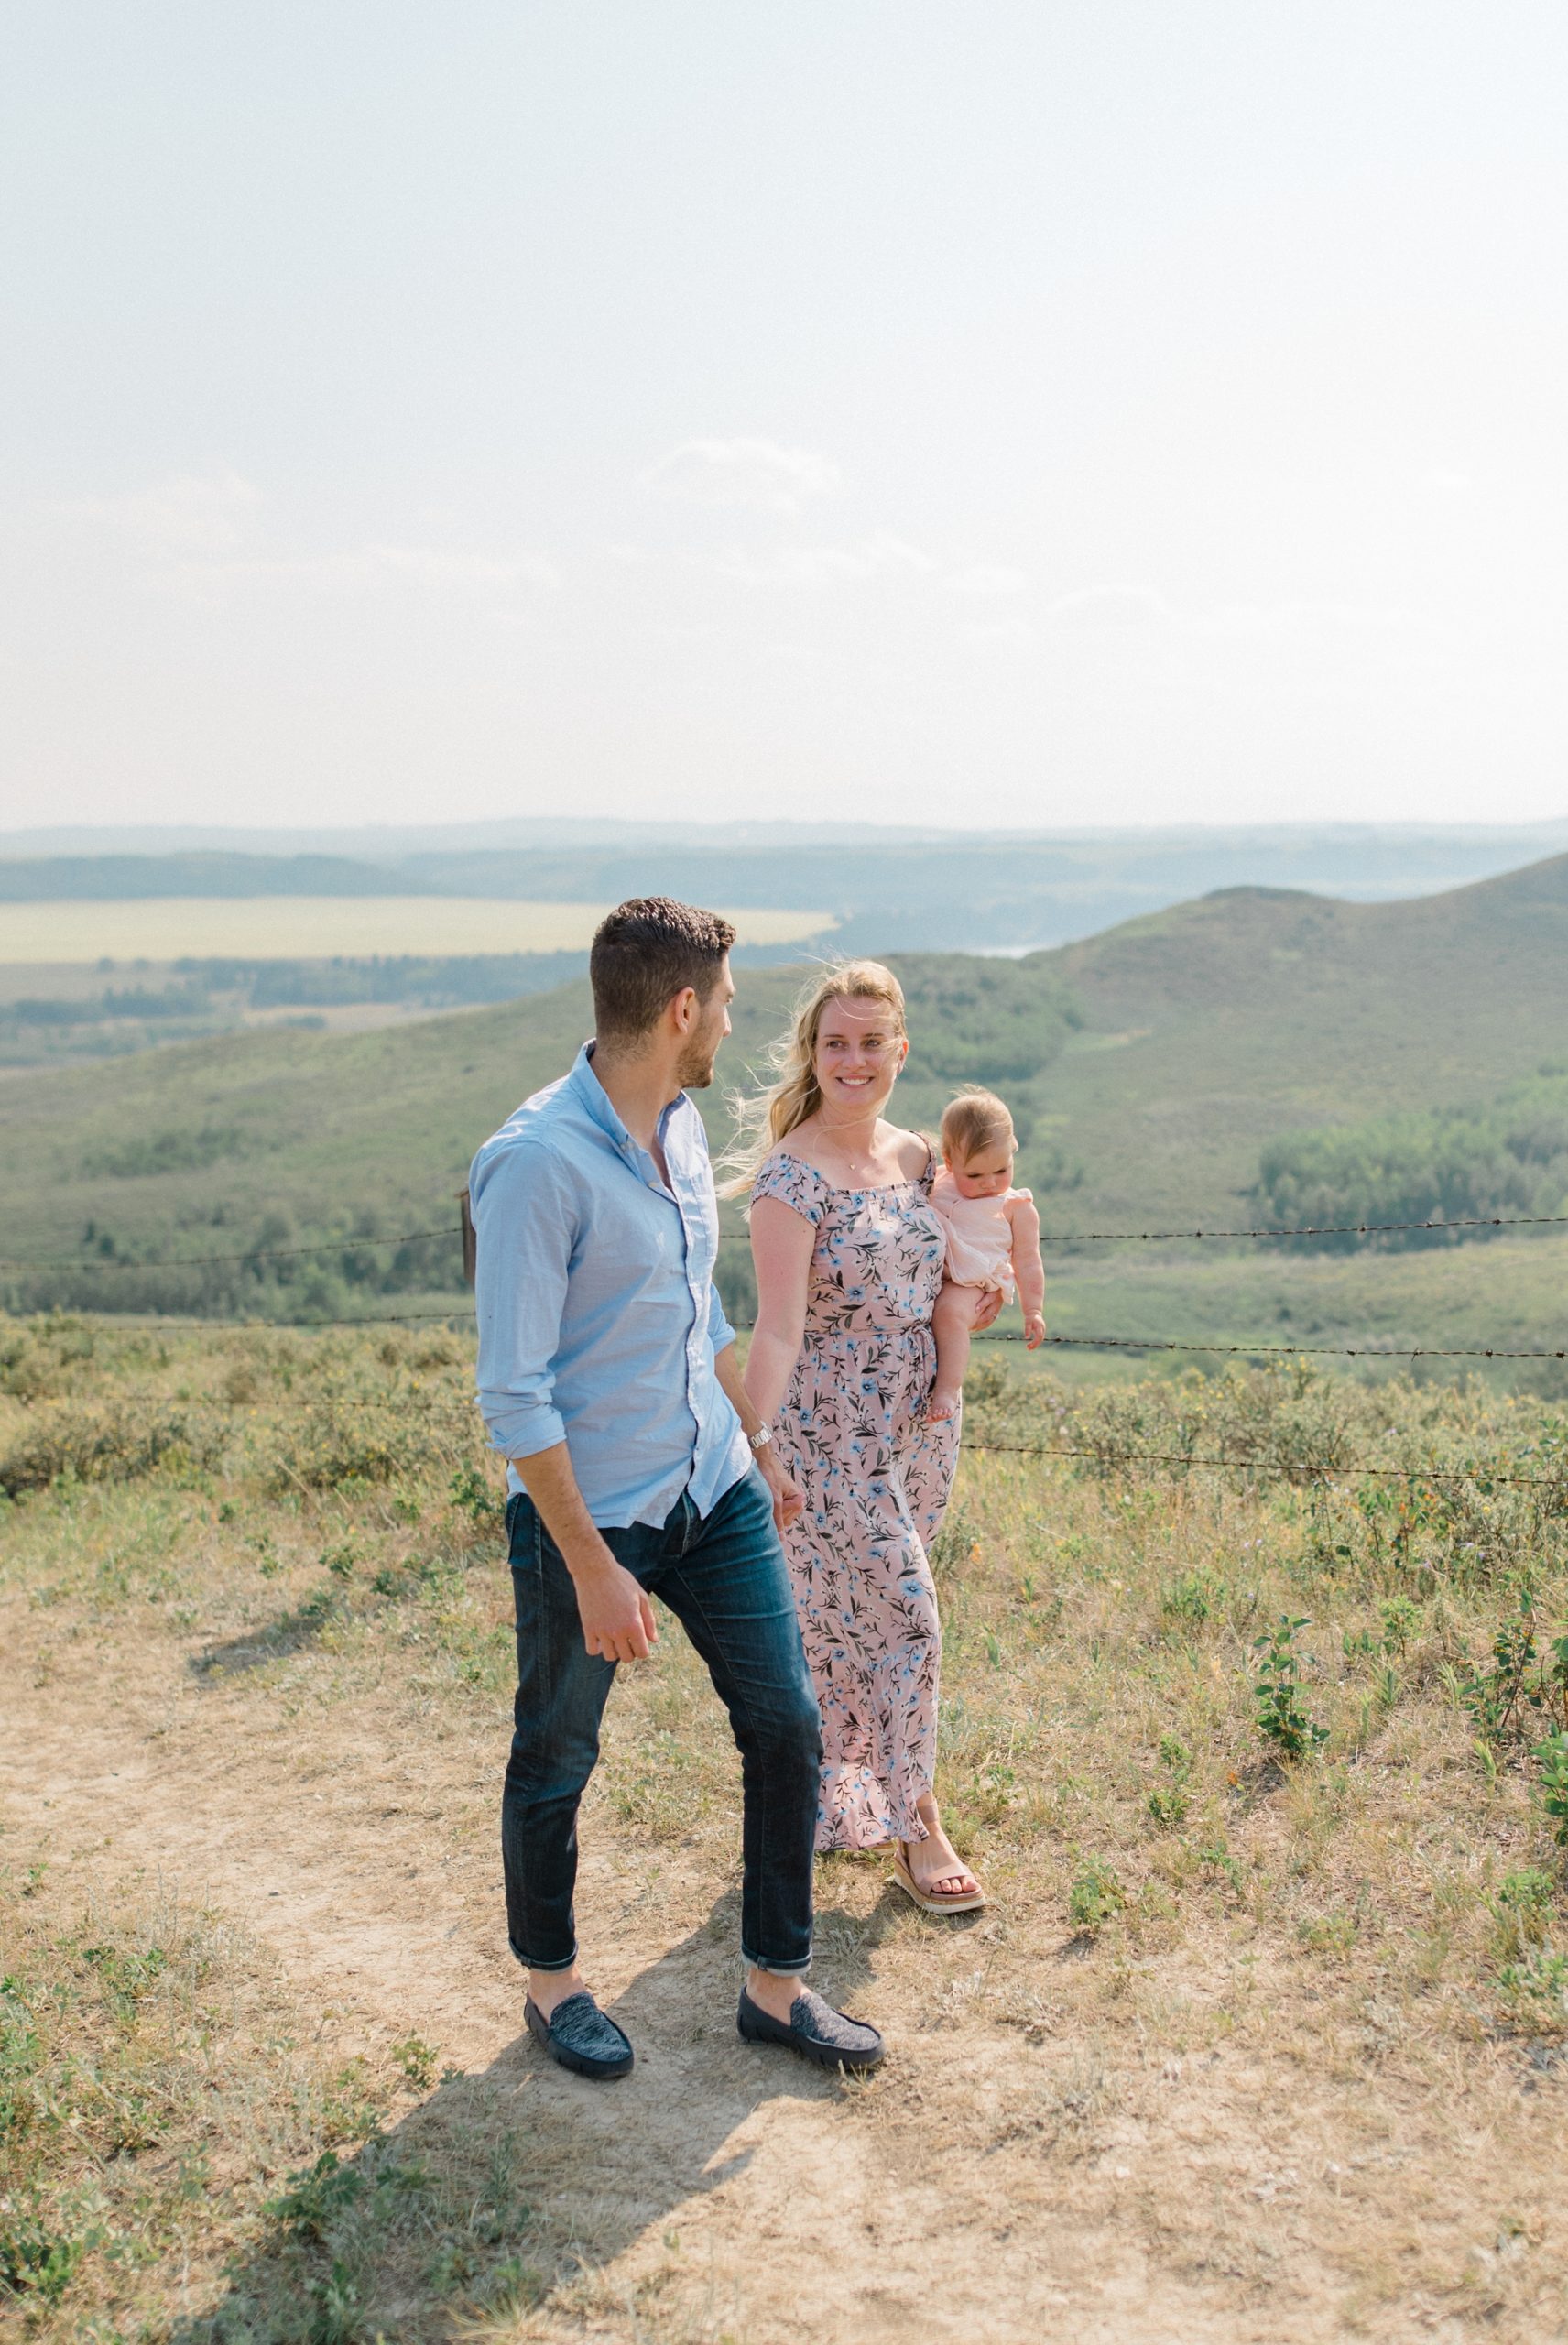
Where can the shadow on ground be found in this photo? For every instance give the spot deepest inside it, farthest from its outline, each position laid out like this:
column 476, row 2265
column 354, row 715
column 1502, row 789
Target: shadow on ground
column 508, row 2187
column 255, row 1647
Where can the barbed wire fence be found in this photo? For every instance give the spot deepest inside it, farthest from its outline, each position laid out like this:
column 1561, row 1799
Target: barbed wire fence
column 1052, row 1237
column 128, row 1264
column 1106, row 1456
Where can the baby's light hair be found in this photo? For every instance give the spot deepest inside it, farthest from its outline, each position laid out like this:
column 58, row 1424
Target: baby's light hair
column 974, row 1120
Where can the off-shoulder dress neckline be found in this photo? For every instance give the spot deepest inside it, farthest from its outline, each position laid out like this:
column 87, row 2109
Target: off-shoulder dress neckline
column 875, row 1189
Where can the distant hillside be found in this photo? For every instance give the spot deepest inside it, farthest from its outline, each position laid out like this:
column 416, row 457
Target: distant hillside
column 1149, row 1069
column 122, row 879
column 272, row 1139
column 966, row 892
column 1216, row 1026
column 890, row 890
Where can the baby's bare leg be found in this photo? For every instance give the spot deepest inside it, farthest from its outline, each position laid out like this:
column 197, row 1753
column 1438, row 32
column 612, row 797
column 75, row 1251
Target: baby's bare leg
column 952, row 1315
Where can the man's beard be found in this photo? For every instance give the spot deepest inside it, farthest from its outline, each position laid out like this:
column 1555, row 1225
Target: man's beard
column 695, row 1072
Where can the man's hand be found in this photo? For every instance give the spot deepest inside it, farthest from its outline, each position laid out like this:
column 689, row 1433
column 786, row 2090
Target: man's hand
column 617, row 1618
column 788, row 1503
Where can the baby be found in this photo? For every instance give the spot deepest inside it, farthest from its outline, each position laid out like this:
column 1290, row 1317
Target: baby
column 992, row 1236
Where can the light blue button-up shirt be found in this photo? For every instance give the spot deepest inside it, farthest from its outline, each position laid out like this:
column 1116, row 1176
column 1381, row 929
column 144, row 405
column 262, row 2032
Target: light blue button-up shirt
column 598, row 1315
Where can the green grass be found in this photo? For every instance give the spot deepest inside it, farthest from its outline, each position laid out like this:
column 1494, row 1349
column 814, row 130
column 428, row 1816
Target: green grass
column 148, row 2054
column 1495, row 1294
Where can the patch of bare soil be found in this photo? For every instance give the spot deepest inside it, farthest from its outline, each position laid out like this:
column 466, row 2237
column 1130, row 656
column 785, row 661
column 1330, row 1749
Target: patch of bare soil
column 1152, row 2152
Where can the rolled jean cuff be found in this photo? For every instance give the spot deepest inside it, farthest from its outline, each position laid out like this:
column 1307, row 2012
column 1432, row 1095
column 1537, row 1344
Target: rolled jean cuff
column 529, row 1964
column 776, row 1969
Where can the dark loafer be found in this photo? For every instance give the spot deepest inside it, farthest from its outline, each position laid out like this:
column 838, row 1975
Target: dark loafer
column 815, row 2030
column 580, row 2036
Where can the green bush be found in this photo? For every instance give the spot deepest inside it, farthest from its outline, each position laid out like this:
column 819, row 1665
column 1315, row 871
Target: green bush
column 94, row 1444
column 351, row 1435
column 1282, row 1717
column 1096, row 1894
column 1552, row 1758
column 1446, row 1164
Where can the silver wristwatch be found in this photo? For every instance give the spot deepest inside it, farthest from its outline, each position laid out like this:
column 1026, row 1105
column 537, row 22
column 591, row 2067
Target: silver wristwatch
column 760, row 1439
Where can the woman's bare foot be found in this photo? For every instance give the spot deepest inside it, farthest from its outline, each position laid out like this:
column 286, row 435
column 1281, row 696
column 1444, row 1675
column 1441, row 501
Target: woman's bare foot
column 934, row 1863
column 943, row 1402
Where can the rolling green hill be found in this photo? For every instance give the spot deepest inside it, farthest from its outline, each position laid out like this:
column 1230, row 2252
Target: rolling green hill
column 1214, row 1027
column 1149, row 1069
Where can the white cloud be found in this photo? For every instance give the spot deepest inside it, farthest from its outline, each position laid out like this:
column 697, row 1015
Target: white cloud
column 755, row 472
column 186, row 515
column 989, row 578
column 435, row 569
column 1298, row 618
column 1110, row 607
column 997, row 635
column 1443, row 481
column 879, row 556
column 1141, row 609
column 196, row 533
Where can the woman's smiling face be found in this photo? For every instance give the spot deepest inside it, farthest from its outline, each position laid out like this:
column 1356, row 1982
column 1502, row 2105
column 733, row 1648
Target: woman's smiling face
column 859, row 1053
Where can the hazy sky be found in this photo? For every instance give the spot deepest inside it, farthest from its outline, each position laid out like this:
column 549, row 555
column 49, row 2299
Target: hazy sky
column 1017, row 413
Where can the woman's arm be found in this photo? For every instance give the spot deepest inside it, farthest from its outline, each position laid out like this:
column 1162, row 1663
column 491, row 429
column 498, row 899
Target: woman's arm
column 782, row 1242
column 786, row 1498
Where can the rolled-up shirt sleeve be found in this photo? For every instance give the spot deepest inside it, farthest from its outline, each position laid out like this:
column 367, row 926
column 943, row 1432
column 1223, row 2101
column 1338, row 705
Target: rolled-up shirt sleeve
column 720, row 1333
column 526, row 1218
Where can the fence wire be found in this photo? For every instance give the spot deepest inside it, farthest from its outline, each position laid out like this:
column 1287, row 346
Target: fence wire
column 1048, row 1238
column 207, row 1261
column 1111, row 1459
column 1265, row 1351
column 174, row 1321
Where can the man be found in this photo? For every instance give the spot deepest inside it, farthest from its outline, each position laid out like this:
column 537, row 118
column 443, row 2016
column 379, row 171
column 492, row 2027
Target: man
column 607, row 1376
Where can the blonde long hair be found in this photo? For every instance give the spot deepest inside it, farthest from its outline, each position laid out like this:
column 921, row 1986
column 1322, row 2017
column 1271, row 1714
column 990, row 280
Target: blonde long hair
column 765, row 1117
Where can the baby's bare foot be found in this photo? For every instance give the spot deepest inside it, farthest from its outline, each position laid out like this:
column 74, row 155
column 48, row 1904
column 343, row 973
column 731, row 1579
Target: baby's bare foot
column 943, row 1403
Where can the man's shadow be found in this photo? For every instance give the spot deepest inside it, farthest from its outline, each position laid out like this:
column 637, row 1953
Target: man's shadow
column 508, row 2184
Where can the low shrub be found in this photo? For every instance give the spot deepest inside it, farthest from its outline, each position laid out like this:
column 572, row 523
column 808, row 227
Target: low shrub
column 90, row 1445
column 37, row 1357
column 1096, row 1894
column 352, row 1436
column 1282, row 1717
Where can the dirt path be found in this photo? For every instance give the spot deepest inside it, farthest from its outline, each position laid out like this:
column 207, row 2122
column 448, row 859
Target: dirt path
column 1011, row 2177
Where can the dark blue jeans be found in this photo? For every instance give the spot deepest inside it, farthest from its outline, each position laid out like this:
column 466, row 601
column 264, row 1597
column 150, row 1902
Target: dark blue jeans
column 724, row 1577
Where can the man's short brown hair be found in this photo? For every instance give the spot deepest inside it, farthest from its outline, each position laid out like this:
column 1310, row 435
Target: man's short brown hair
column 646, row 951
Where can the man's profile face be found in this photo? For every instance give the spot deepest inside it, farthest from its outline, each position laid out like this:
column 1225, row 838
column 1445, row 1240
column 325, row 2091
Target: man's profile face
column 695, row 1071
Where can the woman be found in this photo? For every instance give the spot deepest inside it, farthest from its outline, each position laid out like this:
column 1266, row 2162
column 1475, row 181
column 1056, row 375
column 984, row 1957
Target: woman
column 849, row 1263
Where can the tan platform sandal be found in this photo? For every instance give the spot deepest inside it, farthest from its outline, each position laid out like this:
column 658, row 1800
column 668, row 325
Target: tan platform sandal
column 934, row 1900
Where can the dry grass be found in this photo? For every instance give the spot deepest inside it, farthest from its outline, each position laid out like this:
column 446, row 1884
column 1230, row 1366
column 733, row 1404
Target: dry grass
column 1247, row 2045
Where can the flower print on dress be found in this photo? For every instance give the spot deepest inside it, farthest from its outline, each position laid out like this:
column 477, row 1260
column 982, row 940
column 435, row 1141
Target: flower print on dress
column 875, row 1477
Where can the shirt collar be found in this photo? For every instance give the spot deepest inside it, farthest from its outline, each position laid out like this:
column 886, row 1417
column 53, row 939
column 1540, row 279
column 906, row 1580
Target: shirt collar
column 587, row 1087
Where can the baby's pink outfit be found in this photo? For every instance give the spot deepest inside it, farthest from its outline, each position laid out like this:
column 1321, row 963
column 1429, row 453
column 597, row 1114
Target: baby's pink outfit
column 979, row 1233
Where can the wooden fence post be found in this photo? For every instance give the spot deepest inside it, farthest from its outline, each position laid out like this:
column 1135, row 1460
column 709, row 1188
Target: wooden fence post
column 470, row 1239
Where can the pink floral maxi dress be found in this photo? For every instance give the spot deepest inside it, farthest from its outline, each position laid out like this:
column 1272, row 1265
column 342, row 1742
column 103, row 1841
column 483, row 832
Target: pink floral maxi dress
column 875, row 1477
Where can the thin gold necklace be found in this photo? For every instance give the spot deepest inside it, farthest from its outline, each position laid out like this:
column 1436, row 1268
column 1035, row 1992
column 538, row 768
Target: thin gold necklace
column 869, row 1167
